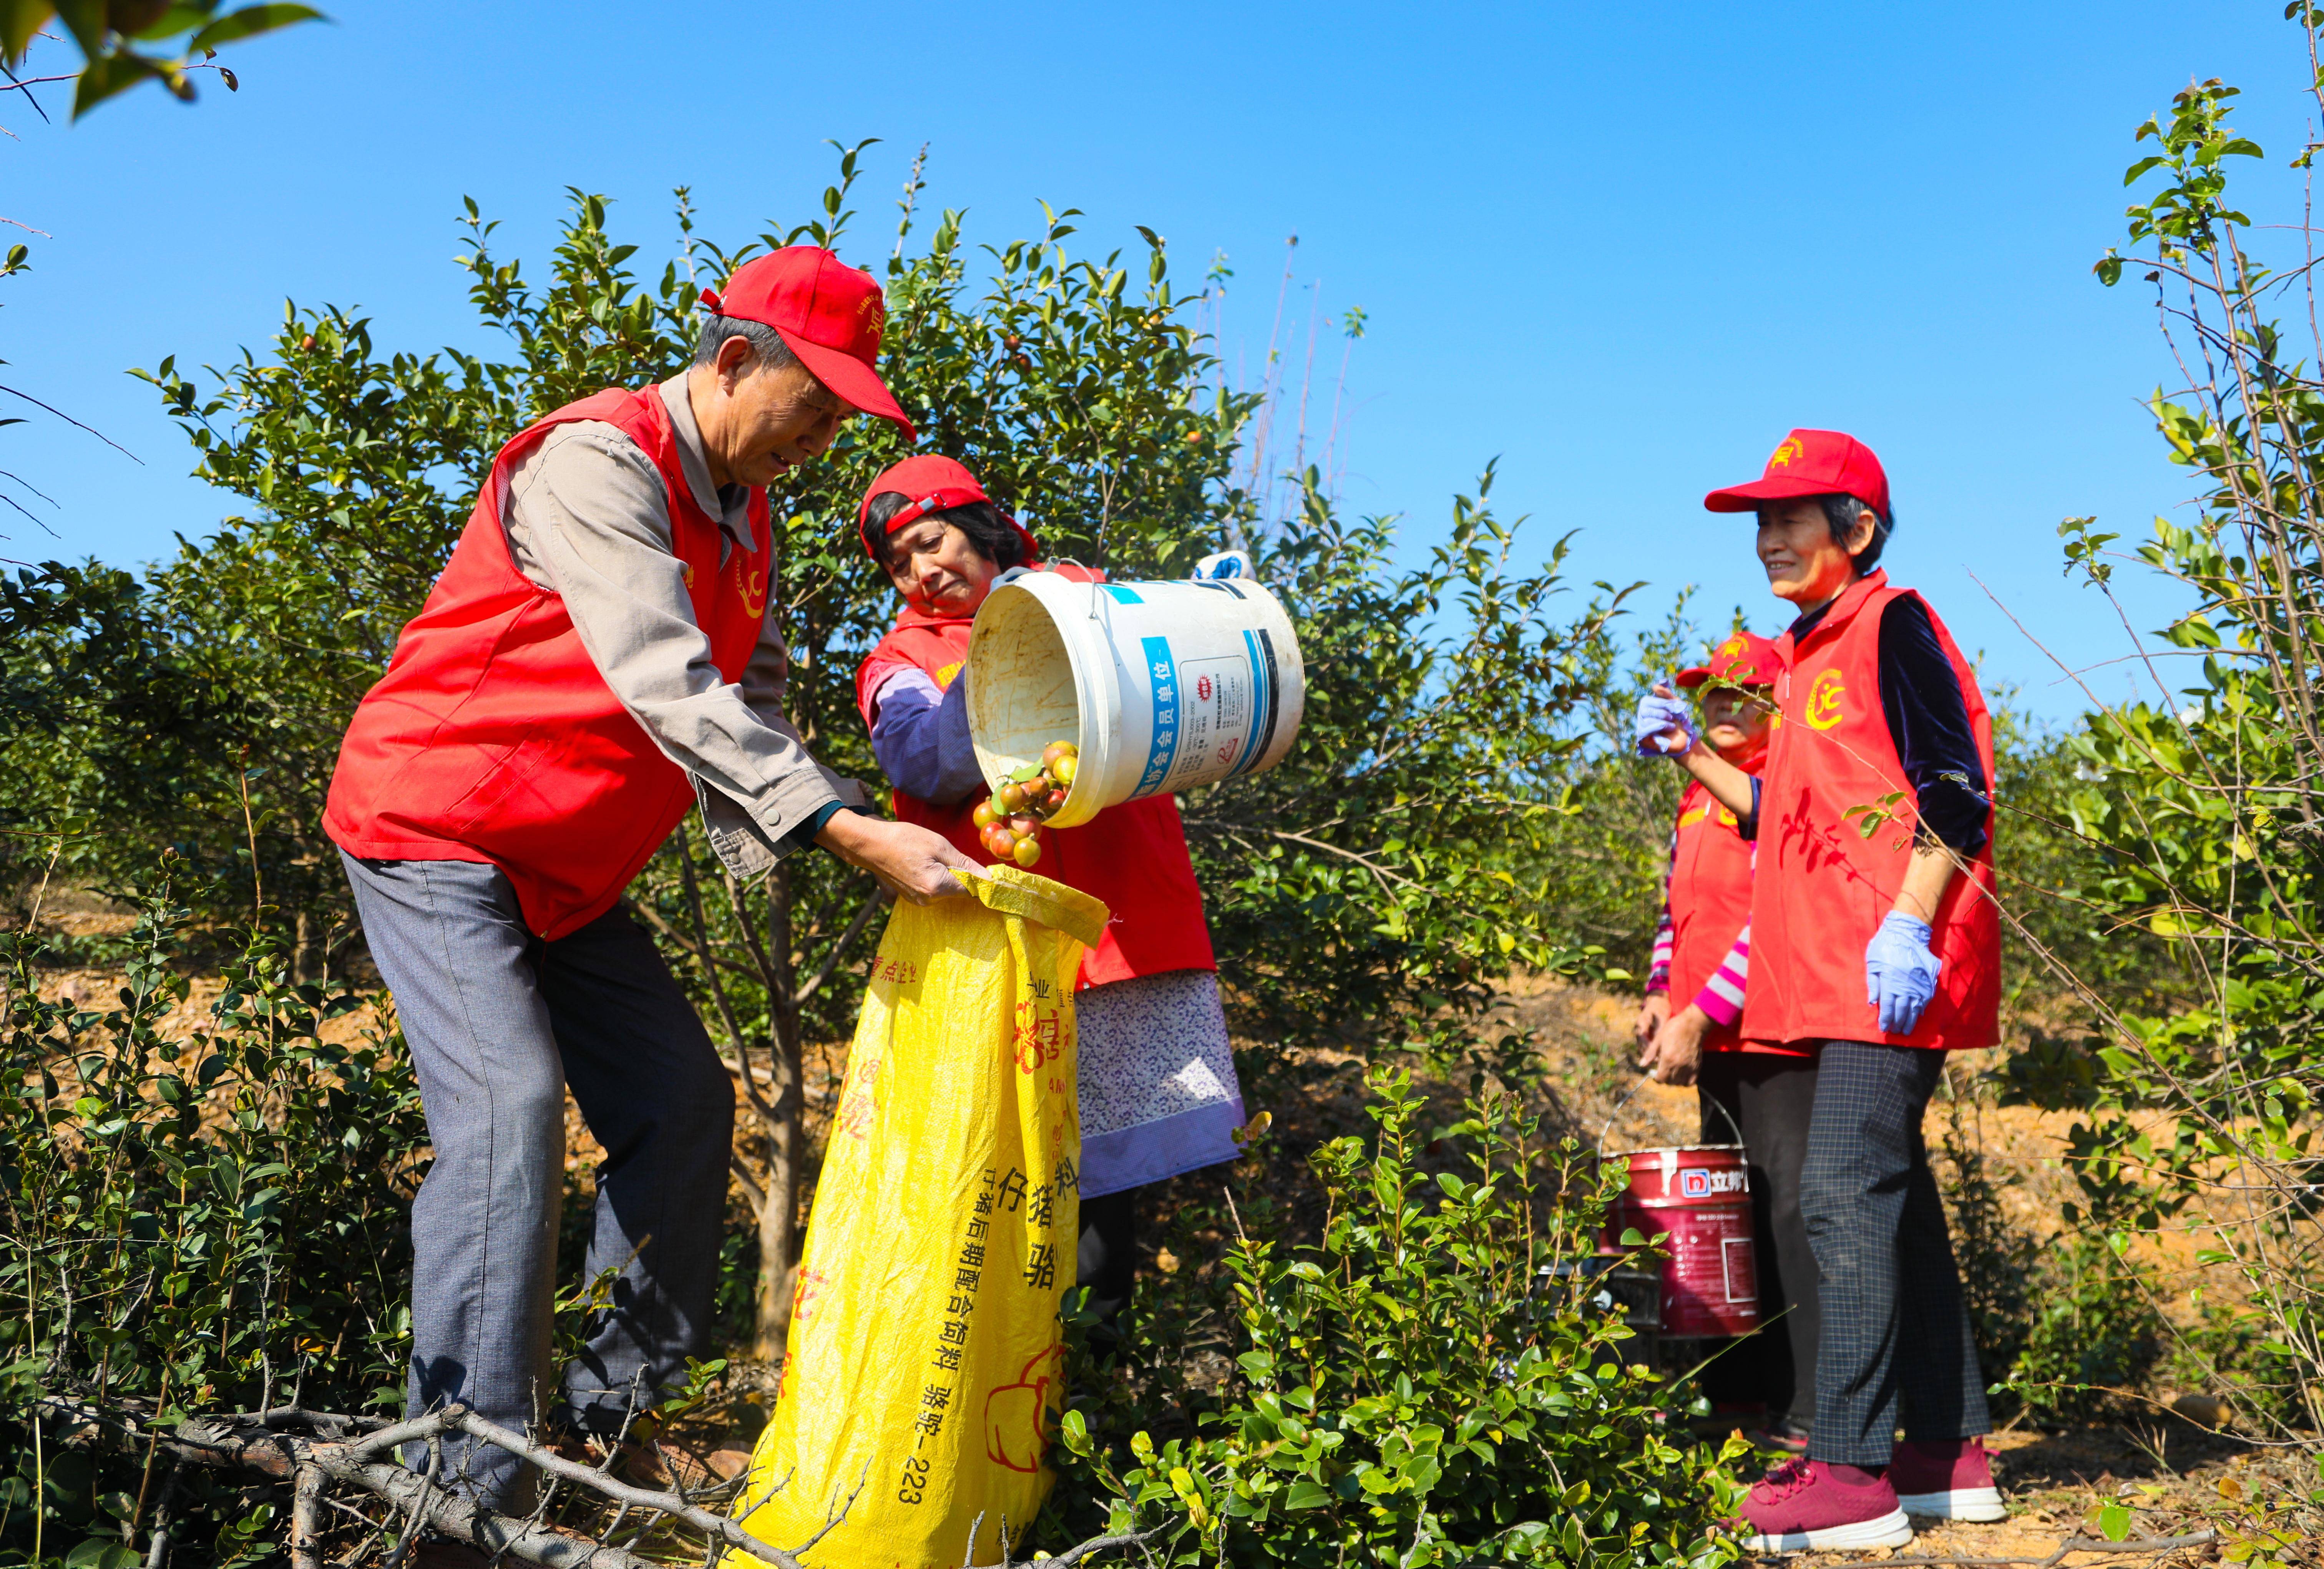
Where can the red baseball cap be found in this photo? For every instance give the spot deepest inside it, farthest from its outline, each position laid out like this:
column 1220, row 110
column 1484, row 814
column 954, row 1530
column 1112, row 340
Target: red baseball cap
column 826, row 312
column 931, row 483
column 1744, row 659
column 1811, row 463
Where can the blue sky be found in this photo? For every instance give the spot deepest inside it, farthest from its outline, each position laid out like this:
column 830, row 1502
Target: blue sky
column 1620, row 248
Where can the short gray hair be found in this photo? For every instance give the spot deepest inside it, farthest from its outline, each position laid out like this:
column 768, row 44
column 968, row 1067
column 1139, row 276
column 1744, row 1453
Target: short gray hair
column 772, row 354
column 1841, row 513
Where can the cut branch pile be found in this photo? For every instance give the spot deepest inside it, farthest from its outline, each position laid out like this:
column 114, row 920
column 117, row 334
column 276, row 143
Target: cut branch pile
column 314, row 1452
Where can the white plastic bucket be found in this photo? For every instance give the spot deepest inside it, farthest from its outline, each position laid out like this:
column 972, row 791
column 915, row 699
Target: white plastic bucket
column 1163, row 686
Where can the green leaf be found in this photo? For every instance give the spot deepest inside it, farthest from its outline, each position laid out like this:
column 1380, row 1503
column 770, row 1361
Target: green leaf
column 1306, row 1495
column 20, row 19
column 249, row 21
column 102, row 1553
column 2114, row 1522
column 111, row 74
column 174, row 21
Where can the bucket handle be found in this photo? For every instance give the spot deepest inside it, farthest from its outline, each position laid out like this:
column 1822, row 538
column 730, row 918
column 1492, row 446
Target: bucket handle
column 1096, row 588
column 1732, row 1126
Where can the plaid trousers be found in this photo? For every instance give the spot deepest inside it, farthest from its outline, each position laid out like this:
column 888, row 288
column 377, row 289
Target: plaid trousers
column 1895, row 1332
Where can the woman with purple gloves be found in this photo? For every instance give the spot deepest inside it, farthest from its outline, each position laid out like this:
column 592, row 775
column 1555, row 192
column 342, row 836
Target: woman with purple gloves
column 1876, row 944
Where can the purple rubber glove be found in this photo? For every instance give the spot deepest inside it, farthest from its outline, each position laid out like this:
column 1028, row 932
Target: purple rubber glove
column 1658, row 711
column 1900, row 973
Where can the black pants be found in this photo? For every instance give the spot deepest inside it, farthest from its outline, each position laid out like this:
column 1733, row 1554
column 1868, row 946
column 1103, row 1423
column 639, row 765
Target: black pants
column 1769, row 1101
column 1896, row 1341
column 1106, row 1261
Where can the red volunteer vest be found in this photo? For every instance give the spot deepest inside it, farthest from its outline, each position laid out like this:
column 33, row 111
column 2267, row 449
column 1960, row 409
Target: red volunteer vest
column 493, row 738
column 1133, row 856
column 1823, row 886
column 1709, row 902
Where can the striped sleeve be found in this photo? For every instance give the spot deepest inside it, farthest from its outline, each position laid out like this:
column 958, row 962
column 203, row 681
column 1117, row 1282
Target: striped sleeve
column 1658, row 972
column 1721, row 997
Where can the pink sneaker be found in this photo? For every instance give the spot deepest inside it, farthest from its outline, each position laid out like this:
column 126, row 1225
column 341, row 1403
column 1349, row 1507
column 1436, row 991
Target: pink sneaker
column 1804, row 1504
column 1950, row 1479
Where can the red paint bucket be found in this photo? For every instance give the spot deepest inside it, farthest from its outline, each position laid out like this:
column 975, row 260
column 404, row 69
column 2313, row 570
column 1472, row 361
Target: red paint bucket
column 1701, row 1194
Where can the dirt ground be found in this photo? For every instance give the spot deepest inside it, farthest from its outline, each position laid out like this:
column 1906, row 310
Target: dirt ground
column 2174, row 1475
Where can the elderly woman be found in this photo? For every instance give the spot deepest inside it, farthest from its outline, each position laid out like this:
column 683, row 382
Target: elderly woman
column 1876, row 946
column 1158, row 1094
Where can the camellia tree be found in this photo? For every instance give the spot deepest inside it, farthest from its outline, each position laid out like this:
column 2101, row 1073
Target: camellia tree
column 2201, row 805
column 1365, row 894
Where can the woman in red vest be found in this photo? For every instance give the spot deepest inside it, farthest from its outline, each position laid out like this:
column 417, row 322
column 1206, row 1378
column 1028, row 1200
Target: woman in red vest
column 1878, row 948
column 1159, row 1092
column 1762, row 1092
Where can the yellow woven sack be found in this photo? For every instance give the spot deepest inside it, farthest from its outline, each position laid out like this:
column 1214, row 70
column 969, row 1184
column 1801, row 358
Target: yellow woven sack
column 921, row 1374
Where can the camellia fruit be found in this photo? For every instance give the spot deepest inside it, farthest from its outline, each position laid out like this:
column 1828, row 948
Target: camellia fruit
column 1028, row 852
column 1011, row 797
column 1065, row 768
column 1055, row 750
column 1023, row 824
column 983, row 814
column 1002, row 842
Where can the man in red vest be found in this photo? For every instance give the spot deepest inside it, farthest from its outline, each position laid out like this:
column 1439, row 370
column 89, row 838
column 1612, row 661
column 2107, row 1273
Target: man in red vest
column 1761, row 1092
column 595, row 661
column 1876, row 946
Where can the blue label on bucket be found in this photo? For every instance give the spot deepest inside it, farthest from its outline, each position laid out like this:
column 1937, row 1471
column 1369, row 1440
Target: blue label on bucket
column 1162, row 672
column 1268, row 694
column 1124, row 597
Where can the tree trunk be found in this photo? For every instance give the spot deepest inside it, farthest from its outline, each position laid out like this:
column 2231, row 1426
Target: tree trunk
column 778, row 1214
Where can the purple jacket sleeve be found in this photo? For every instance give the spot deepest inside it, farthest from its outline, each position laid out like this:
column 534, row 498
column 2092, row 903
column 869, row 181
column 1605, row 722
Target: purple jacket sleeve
column 920, row 736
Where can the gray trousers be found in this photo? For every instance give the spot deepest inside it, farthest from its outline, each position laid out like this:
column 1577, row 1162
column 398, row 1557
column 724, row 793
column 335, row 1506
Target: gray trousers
column 499, row 1023
column 1895, row 1332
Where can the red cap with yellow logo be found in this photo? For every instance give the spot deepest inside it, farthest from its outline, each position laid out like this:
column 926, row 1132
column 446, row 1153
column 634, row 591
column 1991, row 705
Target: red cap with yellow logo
column 932, row 482
column 826, row 312
column 1744, row 659
column 1811, row 463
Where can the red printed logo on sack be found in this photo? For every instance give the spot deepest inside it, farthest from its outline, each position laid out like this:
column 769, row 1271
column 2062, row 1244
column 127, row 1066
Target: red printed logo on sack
column 1017, row 1416
column 859, row 1105
column 806, row 1294
column 1040, row 1036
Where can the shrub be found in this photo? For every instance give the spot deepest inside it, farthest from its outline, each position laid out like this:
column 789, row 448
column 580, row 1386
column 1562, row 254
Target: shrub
column 1439, row 1380
column 196, row 1217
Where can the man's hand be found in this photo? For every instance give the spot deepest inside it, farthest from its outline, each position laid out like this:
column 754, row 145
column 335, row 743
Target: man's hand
column 1651, row 1014
column 1677, row 1051
column 910, row 862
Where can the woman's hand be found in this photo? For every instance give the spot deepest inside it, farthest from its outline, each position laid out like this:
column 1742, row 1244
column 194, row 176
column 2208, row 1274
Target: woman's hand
column 1677, row 1051
column 1651, row 1014
column 1663, row 727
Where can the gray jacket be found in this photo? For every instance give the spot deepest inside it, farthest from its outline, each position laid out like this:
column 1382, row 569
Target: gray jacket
column 588, row 519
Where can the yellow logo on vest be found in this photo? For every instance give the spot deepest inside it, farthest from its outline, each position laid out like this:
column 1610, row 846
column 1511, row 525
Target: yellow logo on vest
column 1823, row 709
column 754, row 590
column 944, row 673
